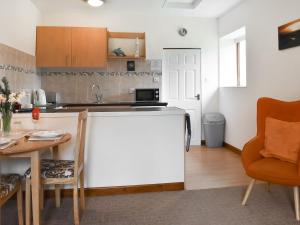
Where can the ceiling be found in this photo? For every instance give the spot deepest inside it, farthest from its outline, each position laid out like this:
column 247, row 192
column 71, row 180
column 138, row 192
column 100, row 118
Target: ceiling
column 206, row 8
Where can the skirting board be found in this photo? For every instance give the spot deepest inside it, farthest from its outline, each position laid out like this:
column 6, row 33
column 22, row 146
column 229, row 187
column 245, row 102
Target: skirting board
column 232, row 148
column 121, row 190
column 227, row 146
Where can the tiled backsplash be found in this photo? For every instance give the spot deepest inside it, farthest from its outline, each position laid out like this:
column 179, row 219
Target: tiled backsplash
column 19, row 68
column 115, row 82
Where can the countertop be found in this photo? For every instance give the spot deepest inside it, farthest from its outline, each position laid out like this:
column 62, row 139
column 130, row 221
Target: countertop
column 107, row 111
column 131, row 104
column 95, row 107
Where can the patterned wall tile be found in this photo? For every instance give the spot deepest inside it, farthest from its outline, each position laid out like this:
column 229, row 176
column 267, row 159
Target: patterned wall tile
column 19, row 68
column 115, row 82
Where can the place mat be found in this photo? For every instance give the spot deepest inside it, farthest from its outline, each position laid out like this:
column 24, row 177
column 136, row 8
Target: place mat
column 11, row 143
column 45, row 138
column 47, row 134
column 15, row 136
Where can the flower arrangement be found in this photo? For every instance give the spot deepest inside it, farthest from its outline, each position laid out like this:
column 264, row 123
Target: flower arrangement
column 8, row 100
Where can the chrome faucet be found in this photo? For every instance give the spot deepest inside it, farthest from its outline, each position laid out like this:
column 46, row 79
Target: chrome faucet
column 98, row 95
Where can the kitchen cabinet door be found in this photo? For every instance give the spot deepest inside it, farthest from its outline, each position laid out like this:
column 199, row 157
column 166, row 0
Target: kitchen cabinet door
column 53, row 47
column 89, row 47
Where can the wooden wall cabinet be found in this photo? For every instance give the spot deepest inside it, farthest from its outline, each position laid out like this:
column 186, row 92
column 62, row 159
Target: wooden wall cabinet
column 53, row 47
column 89, row 47
column 71, row 47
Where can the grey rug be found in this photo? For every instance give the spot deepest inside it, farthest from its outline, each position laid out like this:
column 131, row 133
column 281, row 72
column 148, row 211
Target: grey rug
column 202, row 207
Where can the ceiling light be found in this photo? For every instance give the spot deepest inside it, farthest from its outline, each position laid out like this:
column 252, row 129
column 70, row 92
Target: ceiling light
column 181, row 4
column 95, row 3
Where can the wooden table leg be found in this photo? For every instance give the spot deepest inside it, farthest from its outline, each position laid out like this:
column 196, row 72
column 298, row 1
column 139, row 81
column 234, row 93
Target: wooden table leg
column 55, row 152
column 36, row 187
column 57, row 187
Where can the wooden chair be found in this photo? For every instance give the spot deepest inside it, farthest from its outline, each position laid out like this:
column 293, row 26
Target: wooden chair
column 10, row 185
column 271, row 170
column 61, row 172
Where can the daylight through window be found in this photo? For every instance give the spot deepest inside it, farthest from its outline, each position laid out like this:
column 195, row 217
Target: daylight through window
column 233, row 59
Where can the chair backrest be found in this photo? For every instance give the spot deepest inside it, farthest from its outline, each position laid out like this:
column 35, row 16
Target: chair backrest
column 268, row 107
column 80, row 140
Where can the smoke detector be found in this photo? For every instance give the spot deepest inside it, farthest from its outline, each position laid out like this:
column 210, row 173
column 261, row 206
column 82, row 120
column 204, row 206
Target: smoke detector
column 181, row 4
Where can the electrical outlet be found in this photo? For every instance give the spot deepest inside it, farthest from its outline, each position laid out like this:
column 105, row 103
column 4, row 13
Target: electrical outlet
column 155, row 79
column 131, row 90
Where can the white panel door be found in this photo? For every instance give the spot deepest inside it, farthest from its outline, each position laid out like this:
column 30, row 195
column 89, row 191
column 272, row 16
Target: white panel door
column 182, row 84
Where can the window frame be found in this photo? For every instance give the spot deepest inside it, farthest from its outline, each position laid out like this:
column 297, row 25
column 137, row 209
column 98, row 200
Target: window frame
column 239, row 44
column 238, row 62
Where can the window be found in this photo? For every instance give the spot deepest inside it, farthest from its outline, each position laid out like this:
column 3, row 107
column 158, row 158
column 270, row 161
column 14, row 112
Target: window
column 233, row 59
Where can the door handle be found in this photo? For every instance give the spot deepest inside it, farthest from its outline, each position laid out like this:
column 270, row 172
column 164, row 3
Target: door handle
column 198, row 97
column 188, row 131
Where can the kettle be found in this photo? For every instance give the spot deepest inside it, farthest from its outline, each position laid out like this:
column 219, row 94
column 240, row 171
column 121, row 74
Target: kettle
column 39, row 97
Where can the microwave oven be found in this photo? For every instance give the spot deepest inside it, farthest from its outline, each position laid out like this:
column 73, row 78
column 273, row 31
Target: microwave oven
column 147, row 95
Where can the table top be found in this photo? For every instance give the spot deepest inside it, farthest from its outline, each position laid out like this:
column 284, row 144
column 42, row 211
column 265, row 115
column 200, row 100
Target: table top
column 24, row 146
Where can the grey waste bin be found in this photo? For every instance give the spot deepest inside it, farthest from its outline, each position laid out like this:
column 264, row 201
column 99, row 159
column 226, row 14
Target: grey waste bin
column 214, row 129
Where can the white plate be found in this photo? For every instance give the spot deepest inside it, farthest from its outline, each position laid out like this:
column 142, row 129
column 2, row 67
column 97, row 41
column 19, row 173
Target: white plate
column 48, row 134
column 4, row 141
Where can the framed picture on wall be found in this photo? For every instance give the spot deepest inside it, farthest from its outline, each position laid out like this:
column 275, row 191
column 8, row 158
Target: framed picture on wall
column 289, row 35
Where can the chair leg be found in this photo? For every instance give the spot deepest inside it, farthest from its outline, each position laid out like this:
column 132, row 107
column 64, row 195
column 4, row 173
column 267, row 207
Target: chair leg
column 57, row 196
column 296, row 199
column 42, row 197
column 75, row 203
column 82, row 197
column 20, row 206
column 28, row 202
column 248, row 192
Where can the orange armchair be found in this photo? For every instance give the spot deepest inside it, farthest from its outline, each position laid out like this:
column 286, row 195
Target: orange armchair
column 271, row 170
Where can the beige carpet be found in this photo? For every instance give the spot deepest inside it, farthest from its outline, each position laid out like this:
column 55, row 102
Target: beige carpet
column 207, row 207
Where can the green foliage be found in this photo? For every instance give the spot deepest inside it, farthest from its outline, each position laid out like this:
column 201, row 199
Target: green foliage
column 5, row 91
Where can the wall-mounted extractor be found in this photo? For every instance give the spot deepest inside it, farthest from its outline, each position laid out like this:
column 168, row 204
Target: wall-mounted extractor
column 95, row 3
column 181, row 4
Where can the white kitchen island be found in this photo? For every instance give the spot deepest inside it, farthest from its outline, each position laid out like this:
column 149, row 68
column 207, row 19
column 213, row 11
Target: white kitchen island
column 124, row 147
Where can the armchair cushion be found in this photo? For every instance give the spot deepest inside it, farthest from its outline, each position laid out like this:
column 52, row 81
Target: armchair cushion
column 275, row 171
column 282, row 140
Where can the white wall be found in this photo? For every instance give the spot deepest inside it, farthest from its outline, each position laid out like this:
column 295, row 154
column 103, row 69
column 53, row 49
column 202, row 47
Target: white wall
column 270, row 72
column 161, row 32
column 18, row 19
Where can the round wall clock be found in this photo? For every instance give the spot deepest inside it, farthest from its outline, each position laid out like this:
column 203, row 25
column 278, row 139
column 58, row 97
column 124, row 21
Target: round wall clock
column 182, row 32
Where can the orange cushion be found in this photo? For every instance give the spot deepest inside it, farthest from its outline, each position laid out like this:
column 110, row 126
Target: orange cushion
column 282, row 140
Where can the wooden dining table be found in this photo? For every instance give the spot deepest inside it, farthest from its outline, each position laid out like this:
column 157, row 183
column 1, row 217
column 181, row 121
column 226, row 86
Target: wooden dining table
column 32, row 149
